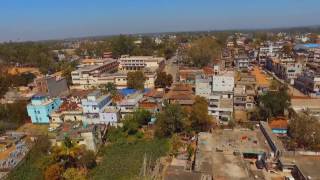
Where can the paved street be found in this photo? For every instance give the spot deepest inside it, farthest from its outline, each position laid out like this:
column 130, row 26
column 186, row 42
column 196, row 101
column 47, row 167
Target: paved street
column 172, row 67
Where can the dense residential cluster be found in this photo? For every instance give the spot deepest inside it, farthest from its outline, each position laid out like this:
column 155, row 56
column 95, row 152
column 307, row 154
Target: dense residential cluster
column 231, row 106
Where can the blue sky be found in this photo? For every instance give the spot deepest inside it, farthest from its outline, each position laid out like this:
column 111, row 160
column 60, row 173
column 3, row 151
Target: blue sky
column 50, row 19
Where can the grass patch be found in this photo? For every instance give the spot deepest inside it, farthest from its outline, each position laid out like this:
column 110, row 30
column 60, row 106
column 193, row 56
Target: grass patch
column 123, row 161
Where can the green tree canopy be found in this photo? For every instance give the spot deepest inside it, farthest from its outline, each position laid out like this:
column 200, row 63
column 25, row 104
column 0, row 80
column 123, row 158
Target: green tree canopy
column 171, row 120
column 122, row 45
column 203, row 51
column 304, row 129
column 163, row 80
column 136, row 80
column 199, row 117
column 275, row 102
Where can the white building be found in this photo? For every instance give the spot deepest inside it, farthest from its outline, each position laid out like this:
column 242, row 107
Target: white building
column 95, row 102
column 242, row 62
column 110, row 115
column 218, row 90
column 223, row 82
column 85, row 80
column 134, row 63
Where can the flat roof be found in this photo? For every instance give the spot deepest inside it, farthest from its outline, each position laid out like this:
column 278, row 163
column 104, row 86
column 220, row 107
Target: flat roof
column 308, row 165
column 242, row 140
column 222, row 165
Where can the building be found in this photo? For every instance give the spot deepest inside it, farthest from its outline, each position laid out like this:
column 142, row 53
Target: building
column 134, row 63
column 268, row 51
column 242, row 62
column 309, row 83
column 41, row 107
column 91, row 136
column 84, row 78
column 93, row 106
column 129, row 103
column 69, row 111
column 243, row 98
column 87, row 76
column 218, row 90
column 52, row 85
column 279, row 125
column 285, row 68
column 180, row 94
column 223, row 82
column 110, row 116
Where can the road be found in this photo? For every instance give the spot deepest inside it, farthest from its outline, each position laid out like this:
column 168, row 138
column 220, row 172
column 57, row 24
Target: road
column 172, row 67
column 292, row 91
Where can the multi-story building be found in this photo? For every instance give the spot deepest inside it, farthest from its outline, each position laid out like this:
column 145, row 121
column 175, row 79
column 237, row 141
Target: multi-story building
column 223, row 82
column 268, row 51
column 68, row 112
column 89, row 76
column 218, row 90
column 309, row 83
column 134, row 63
column 87, row 81
column 95, row 102
column 129, row 103
column 86, row 75
column 243, row 98
column 93, row 106
column 91, row 136
column 111, row 116
column 41, row 107
column 285, row 68
column 242, row 62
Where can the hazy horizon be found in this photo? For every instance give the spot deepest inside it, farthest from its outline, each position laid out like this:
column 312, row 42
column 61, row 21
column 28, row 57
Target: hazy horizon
column 44, row 20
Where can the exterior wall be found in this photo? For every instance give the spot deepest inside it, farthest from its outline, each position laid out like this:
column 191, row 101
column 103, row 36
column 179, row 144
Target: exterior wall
column 110, row 117
column 40, row 110
column 95, row 106
column 133, row 63
column 87, row 82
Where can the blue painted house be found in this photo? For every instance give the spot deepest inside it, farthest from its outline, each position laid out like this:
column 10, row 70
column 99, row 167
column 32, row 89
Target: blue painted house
column 40, row 108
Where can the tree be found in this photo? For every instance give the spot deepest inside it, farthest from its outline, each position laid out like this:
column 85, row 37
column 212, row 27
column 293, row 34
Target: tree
column 304, row 129
column 136, row 80
column 130, row 125
column 163, row 80
column 203, row 51
column 146, row 48
column 141, row 116
column 53, row 172
column 74, row 174
column 122, row 45
column 87, row 159
column 273, row 103
column 199, row 117
column 109, row 88
column 171, row 120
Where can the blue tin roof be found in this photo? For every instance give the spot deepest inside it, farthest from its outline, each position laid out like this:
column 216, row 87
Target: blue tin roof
column 312, row 45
